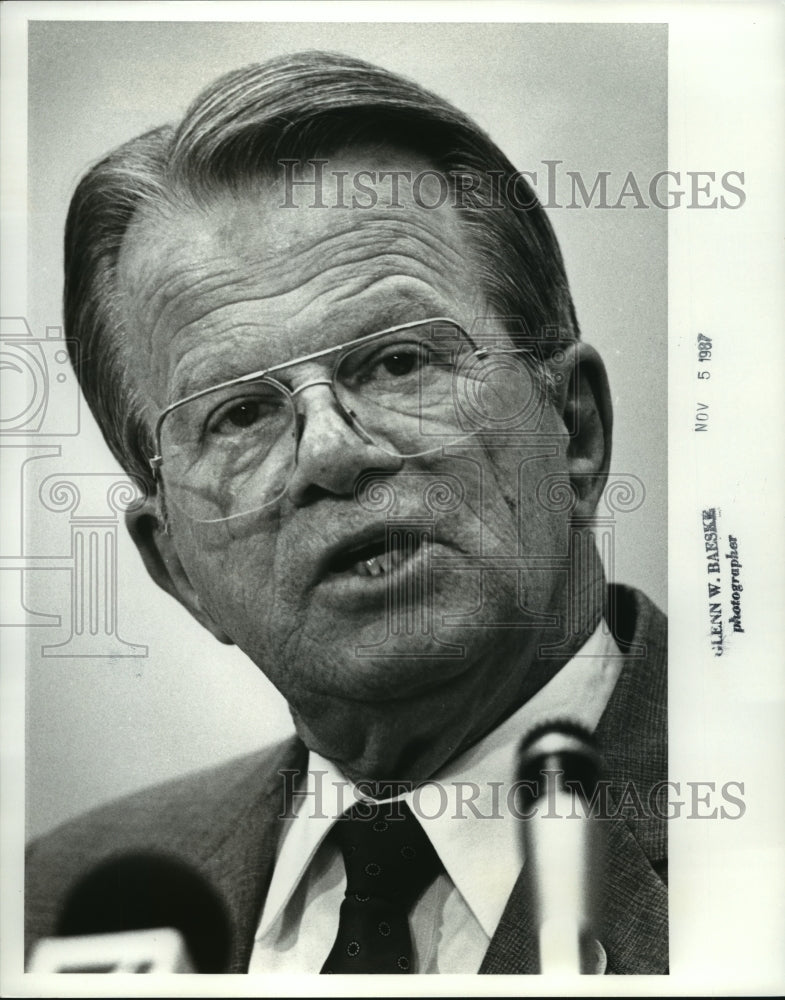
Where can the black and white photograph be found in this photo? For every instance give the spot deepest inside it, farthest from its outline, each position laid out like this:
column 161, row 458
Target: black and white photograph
column 392, row 499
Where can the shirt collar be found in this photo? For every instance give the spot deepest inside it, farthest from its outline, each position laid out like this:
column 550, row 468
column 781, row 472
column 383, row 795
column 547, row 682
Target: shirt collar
column 483, row 859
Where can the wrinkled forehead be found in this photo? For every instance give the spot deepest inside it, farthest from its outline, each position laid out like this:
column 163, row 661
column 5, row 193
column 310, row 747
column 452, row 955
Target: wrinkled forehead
column 331, row 250
column 286, row 209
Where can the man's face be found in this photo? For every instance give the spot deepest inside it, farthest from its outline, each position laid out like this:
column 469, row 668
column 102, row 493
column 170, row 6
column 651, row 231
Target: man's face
column 243, row 284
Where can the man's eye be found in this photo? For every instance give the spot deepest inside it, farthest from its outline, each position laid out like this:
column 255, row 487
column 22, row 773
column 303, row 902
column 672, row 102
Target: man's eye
column 238, row 416
column 243, row 415
column 396, row 362
column 400, row 362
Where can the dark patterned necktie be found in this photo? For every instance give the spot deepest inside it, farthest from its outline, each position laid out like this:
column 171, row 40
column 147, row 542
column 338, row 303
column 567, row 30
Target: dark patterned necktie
column 389, row 862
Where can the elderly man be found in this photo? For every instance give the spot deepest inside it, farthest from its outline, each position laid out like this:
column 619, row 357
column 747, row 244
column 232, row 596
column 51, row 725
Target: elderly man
column 328, row 326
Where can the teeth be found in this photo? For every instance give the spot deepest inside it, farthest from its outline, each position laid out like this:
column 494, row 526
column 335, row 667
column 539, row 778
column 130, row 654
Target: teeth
column 385, row 562
column 373, row 567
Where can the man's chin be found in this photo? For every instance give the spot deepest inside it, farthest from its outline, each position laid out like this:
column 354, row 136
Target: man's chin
column 383, row 742
column 396, row 668
column 401, row 713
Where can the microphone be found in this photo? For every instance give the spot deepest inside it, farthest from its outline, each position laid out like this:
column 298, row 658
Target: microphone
column 560, row 767
column 140, row 912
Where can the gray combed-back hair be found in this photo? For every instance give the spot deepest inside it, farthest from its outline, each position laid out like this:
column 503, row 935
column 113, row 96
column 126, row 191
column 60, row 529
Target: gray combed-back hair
column 235, row 133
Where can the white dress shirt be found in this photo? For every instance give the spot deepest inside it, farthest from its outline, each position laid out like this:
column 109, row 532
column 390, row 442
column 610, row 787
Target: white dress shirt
column 465, row 813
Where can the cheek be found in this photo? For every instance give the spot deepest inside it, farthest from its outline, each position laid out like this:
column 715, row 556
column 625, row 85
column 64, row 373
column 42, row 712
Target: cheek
column 532, row 501
column 534, row 488
column 232, row 576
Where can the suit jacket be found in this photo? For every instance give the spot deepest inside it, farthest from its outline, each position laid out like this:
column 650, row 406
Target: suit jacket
column 225, row 823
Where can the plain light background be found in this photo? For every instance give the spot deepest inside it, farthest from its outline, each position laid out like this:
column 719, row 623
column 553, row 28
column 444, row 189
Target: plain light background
column 592, row 96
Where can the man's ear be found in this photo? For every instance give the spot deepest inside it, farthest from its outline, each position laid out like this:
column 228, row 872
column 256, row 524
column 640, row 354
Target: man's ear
column 584, row 400
column 160, row 557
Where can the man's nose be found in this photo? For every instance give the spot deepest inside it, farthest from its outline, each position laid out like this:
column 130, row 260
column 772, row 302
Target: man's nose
column 331, row 450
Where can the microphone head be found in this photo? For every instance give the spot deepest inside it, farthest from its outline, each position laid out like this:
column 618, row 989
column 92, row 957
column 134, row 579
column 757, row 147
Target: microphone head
column 142, row 891
column 562, row 750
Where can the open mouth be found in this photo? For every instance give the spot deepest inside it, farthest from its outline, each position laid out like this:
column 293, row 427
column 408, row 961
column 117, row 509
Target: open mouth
column 378, row 557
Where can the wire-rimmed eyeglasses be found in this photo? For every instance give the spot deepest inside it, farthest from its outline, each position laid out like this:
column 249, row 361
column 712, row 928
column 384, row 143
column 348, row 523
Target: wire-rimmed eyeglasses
column 409, row 390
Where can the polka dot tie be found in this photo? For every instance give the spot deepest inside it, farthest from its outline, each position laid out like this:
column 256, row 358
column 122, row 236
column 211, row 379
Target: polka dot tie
column 389, row 862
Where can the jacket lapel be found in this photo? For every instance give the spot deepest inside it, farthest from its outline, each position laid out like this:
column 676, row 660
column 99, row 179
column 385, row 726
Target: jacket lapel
column 513, row 948
column 635, row 930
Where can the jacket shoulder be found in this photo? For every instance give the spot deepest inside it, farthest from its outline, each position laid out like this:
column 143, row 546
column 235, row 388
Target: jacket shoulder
column 187, row 817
